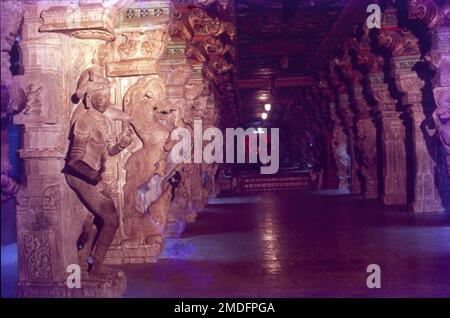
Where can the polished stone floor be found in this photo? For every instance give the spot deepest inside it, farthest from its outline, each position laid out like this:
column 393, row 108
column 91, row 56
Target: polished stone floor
column 300, row 244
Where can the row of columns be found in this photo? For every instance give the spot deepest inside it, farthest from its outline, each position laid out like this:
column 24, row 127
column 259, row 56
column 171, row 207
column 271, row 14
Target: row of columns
column 390, row 132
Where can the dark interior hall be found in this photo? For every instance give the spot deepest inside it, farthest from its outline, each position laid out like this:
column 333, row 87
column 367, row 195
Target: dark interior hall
column 225, row 148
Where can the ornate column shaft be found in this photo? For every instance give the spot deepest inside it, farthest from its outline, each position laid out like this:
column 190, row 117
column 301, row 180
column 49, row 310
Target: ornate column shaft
column 176, row 68
column 365, row 130
column 440, row 53
column 348, row 120
column 343, row 107
column 340, row 147
column 209, row 36
column 437, row 19
column 392, row 132
column 321, row 95
column 49, row 220
column 405, row 55
column 366, row 136
column 13, row 97
column 392, row 143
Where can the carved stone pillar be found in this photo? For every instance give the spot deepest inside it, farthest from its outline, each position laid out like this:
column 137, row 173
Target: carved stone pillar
column 210, row 47
column 405, row 55
column 392, row 143
column 321, row 98
column 348, row 120
column 436, row 17
column 365, row 132
column 211, row 43
column 177, row 70
column 340, row 147
column 13, row 97
column 346, row 115
column 197, row 100
column 367, row 146
column 426, row 195
column 49, row 215
column 45, row 246
column 210, row 120
column 392, row 133
column 440, row 57
column 146, row 85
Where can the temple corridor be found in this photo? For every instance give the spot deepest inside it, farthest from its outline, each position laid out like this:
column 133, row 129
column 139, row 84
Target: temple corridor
column 259, row 245
column 225, row 148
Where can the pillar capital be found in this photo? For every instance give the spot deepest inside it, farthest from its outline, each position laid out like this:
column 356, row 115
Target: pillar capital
column 411, row 86
column 366, row 59
column 439, row 55
column 432, row 14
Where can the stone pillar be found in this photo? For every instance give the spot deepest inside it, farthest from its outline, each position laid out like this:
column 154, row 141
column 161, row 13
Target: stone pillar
column 365, row 132
column 391, row 127
column 346, row 115
column 440, row 57
column 49, row 216
column 392, row 142
column 437, row 19
column 209, row 38
column 367, row 138
column 13, row 97
column 348, row 120
column 328, row 102
column 426, row 195
column 176, row 68
column 405, row 55
column 313, row 133
column 210, row 120
column 146, row 85
column 198, row 103
column 45, row 246
column 321, row 95
column 340, row 147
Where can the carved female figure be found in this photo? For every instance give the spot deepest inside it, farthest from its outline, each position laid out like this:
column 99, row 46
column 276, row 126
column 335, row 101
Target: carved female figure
column 93, row 78
column 91, row 136
column 441, row 117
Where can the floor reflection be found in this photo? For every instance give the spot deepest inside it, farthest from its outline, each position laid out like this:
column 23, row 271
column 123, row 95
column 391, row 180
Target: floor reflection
column 293, row 244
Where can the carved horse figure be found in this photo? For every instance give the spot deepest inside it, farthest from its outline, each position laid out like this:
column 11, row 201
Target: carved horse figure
column 145, row 103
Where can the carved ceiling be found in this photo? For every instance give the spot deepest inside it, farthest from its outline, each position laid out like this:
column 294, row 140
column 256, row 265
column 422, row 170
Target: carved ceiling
column 271, row 31
column 276, row 40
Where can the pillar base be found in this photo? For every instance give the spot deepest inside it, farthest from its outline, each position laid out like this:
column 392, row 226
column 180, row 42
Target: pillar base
column 371, row 195
column 343, row 185
column 174, row 228
column 355, row 188
column 393, row 199
column 427, row 206
column 133, row 252
column 89, row 289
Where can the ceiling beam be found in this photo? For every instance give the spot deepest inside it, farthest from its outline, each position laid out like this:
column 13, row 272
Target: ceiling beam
column 353, row 12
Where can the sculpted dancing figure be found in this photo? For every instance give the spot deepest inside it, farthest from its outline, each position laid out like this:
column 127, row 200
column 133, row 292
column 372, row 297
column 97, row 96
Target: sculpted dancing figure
column 91, row 136
column 441, row 117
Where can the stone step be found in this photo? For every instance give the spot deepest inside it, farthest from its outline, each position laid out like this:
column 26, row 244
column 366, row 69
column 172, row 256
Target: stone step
column 274, row 183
